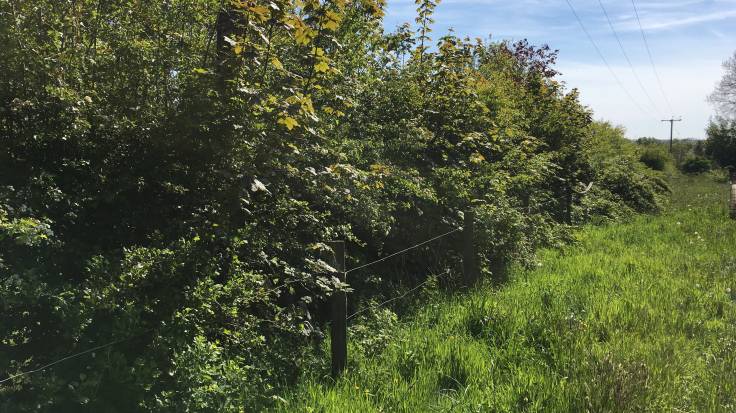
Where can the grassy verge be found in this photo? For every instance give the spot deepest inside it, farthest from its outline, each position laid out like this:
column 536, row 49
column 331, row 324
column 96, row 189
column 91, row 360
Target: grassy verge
column 638, row 316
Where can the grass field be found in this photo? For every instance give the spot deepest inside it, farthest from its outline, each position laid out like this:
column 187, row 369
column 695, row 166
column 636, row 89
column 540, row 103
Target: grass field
column 637, row 316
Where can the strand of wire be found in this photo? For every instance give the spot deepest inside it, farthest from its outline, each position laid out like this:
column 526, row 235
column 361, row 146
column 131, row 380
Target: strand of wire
column 71, row 356
column 295, row 281
column 402, row 251
column 651, row 59
column 286, row 284
column 112, row 343
column 605, row 61
column 628, row 60
column 379, row 305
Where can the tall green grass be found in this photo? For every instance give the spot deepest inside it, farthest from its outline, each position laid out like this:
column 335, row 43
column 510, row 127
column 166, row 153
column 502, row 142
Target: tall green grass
column 639, row 316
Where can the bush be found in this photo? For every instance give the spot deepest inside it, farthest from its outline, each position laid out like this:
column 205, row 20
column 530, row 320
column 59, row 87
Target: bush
column 654, row 158
column 185, row 216
column 696, row 166
column 621, row 185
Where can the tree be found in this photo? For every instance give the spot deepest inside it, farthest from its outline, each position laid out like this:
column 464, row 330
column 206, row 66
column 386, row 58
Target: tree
column 724, row 96
column 721, row 143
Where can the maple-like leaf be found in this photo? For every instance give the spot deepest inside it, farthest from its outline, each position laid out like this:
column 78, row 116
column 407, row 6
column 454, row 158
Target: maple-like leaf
column 322, row 67
column 289, row 122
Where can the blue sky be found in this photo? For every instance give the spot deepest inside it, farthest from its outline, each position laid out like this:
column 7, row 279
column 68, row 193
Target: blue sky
column 689, row 40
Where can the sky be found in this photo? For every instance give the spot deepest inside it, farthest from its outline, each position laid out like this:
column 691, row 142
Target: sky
column 688, row 40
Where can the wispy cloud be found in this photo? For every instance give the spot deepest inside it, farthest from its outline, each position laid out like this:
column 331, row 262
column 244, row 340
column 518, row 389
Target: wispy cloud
column 669, row 22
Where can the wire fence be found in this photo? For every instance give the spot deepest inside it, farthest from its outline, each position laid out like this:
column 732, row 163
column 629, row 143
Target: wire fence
column 401, row 252
column 404, row 251
column 75, row 355
column 391, row 300
column 268, row 292
column 470, row 271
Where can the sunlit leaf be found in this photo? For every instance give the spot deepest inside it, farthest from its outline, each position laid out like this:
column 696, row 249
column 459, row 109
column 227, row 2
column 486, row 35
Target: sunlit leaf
column 262, row 13
column 257, row 186
column 322, row 67
column 229, row 41
column 275, row 62
column 477, row 158
column 289, row 122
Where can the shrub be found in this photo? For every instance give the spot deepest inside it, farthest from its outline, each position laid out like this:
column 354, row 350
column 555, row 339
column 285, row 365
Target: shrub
column 184, row 216
column 654, row 158
column 621, row 185
column 696, row 165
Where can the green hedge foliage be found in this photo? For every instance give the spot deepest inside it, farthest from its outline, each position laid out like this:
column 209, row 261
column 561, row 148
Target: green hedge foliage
column 170, row 172
column 655, row 158
column 696, row 165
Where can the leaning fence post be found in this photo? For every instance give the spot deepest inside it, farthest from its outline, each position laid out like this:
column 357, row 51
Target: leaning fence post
column 733, row 193
column 470, row 264
column 339, row 327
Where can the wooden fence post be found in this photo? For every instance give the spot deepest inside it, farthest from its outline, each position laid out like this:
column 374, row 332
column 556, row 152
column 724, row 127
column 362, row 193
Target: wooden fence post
column 470, row 261
column 339, row 327
column 568, row 204
column 733, row 193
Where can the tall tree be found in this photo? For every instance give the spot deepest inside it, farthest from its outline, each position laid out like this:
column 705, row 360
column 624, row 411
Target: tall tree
column 721, row 142
column 724, row 96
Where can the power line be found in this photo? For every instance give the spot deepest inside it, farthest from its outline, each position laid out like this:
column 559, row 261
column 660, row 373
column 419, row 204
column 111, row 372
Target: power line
column 626, row 56
column 603, row 58
column 651, row 59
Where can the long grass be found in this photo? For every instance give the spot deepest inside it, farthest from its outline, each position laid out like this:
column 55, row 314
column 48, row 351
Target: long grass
column 637, row 316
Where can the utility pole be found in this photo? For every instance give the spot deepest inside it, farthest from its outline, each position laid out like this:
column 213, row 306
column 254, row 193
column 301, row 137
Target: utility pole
column 672, row 128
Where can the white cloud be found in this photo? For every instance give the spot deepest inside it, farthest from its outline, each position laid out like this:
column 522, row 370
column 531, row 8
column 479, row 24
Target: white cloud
column 668, row 22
